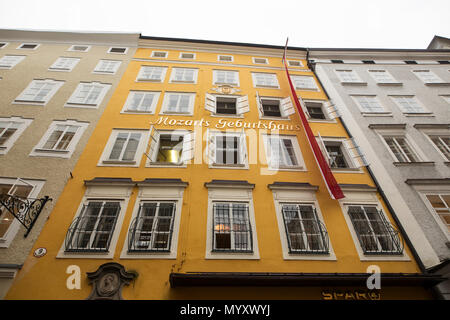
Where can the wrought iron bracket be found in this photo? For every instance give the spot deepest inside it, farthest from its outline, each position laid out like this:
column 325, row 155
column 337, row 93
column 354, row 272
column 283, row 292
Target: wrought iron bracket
column 25, row 210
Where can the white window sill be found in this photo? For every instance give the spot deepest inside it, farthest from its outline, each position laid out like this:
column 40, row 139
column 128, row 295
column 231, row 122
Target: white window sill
column 286, row 168
column 302, row 256
column 390, row 83
column 219, row 115
column 322, row 120
column 104, row 72
column 275, row 118
column 51, row 153
column 353, row 83
column 228, row 166
column 307, row 89
column 183, row 81
column 59, row 70
column 85, row 255
column 346, row 170
column 149, row 80
column 267, row 87
column 424, row 114
column 148, row 255
column 79, row 105
column 376, row 114
column 131, row 163
column 166, row 165
column 437, row 84
column 232, row 256
column 33, row 103
column 419, row 164
column 176, row 113
column 137, row 112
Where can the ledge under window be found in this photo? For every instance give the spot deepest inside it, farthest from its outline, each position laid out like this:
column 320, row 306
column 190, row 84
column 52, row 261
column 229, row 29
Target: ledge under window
column 353, row 83
column 420, row 164
column 390, row 83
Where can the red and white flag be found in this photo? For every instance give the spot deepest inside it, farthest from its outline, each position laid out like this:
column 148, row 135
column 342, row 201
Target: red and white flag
column 333, row 187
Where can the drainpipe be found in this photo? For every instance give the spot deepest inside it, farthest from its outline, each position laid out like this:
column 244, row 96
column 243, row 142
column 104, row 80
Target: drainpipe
column 383, row 196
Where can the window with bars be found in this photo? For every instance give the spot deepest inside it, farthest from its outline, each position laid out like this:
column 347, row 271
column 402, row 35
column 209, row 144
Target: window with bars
column 9, row 61
column 125, row 147
column 64, row 64
column 401, row 149
column 184, row 75
column 265, row 80
column 39, row 91
column 226, row 77
column 107, row 66
column 149, row 73
column 152, row 229
column 409, row 104
column 305, row 233
column 304, row 82
column 92, row 230
column 374, row 232
column 141, row 101
column 369, row 104
column 88, row 94
column 441, row 205
column 443, row 144
column 178, row 102
column 232, row 230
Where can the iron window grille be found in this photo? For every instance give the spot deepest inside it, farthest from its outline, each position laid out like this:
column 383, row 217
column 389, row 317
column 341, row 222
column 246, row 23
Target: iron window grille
column 92, row 230
column 152, row 229
column 375, row 234
column 232, row 230
column 305, row 233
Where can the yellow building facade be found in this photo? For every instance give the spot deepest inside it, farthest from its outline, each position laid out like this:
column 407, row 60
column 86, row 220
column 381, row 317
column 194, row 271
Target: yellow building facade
column 199, row 183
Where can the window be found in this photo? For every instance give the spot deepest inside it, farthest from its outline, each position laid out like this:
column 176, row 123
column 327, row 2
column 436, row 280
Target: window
column 443, row 61
column 226, row 77
column 260, row 60
column 369, row 104
column 294, row 63
column 268, row 80
column 226, row 105
column 88, row 95
column 283, row 152
column 80, row 48
column 401, row 149
column 410, row 62
column 148, row 73
column 118, row 50
column 141, row 102
column 409, row 104
column 304, row 82
column 375, row 234
column 123, row 147
column 92, row 230
column 171, row 147
column 178, row 103
column 3, row 44
column 185, row 55
column 305, row 233
column 348, row 76
column 60, row 139
column 39, row 92
column 107, row 66
column 382, row 77
column 336, row 61
column 227, row 149
column 314, row 110
column 427, row 76
column 64, row 64
column 442, row 143
column 341, row 153
column 28, row 46
column 8, row 62
column 441, row 206
column 224, row 58
column 10, row 131
column 159, row 54
column 446, row 98
column 275, row 107
column 184, row 75
column 368, row 61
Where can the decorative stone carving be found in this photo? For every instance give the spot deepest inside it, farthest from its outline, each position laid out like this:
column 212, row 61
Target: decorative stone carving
column 108, row 281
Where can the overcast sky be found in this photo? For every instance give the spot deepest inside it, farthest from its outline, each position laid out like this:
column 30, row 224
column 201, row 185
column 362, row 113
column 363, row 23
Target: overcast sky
column 409, row 24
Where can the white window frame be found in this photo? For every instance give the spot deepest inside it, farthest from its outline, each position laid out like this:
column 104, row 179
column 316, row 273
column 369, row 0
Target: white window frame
column 232, row 194
column 141, row 72
column 112, row 193
column 398, row 133
column 298, row 195
column 158, row 193
column 426, row 80
column 72, row 103
column 300, row 166
column 174, row 71
column 423, row 112
column 354, row 77
column 69, row 68
column 219, row 58
column 111, row 48
column 236, row 77
column 254, row 60
column 289, row 62
column 39, row 151
column 104, row 160
column 329, row 110
column 15, row 226
column 242, row 105
column 188, row 145
column 72, row 48
column 370, row 99
column 285, row 105
column 5, row 44
column 390, row 81
column 18, row 59
column 298, row 86
column 349, row 151
column 99, row 70
column 439, row 133
column 242, row 149
column 276, row 84
column 166, row 102
column 182, row 53
column 158, row 51
column 28, row 43
column 21, row 99
column 22, row 125
column 366, row 198
column 130, row 98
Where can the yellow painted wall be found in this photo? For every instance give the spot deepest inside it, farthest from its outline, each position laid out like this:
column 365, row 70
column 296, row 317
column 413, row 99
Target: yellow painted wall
column 45, row 277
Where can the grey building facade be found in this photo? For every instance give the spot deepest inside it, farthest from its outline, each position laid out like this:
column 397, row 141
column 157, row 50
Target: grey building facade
column 396, row 104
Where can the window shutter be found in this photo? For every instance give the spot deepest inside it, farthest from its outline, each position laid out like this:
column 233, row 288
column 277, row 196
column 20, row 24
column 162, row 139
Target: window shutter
column 242, row 105
column 153, row 142
column 286, row 107
column 357, row 158
column 259, row 104
column 332, row 110
column 323, row 148
column 242, row 148
column 188, row 147
column 210, row 102
column 274, row 151
column 212, row 149
column 303, row 105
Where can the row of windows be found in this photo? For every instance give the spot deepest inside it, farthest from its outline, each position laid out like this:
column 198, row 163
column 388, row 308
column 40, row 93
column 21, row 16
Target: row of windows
column 384, row 77
column 78, row 48
column 382, row 62
column 64, row 64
